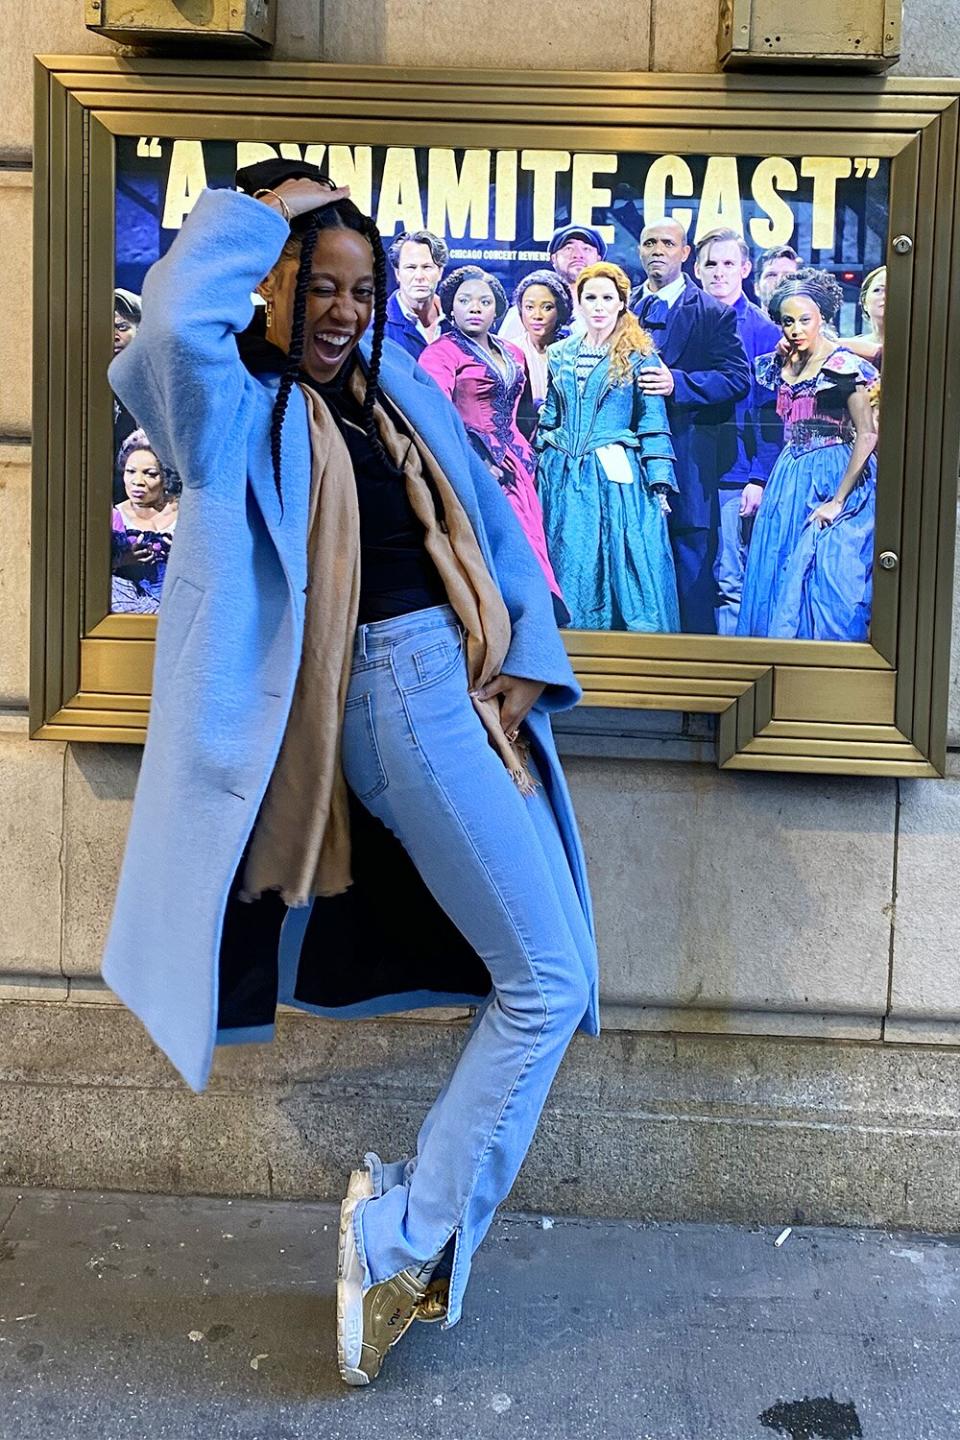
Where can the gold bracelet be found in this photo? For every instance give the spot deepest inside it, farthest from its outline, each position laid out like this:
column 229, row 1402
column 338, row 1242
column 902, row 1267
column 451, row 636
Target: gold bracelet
column 279, row 199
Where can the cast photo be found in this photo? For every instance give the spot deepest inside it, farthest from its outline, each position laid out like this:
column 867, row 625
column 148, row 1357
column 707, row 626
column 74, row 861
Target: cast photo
column 670, row 364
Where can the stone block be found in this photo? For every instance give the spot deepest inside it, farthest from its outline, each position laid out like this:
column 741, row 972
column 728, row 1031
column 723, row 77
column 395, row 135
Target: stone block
column 926, row 980
column 98, row 791
column 722, row 1128
column 44, row 27
column 539, row 35
column 299, row 30
column 14, row 574
column 738, row 892
column 929, row 45
column 685, row 37
column 16, row 258
column 31, row 822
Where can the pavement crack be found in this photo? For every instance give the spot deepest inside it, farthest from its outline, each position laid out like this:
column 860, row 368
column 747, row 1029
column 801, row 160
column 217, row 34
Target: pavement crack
column 7, row 1215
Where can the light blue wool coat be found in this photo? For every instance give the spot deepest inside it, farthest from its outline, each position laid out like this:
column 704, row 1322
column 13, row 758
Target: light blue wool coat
column 230, row 627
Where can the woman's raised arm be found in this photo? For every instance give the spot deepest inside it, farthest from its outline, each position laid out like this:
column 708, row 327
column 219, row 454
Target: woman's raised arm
column 181, row 375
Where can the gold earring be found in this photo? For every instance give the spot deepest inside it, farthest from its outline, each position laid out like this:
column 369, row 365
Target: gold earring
column 269, row 315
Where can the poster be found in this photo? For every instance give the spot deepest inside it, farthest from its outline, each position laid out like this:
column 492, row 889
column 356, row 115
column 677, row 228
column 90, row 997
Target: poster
column 708, row 468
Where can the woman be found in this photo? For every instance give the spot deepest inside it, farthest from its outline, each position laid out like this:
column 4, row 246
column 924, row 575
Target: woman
column 810, row 564
column 873, row 306
column 606, row 467
column 544, row 306
column 484, row 376
column 142, row 528
column 327, row 737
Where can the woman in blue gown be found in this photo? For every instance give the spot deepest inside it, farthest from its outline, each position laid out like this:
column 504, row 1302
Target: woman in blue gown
column 606, row 468
column 810, row 563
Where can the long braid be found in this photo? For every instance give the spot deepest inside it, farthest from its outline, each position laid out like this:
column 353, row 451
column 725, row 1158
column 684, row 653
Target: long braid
column 376, row 346
column 295, row 354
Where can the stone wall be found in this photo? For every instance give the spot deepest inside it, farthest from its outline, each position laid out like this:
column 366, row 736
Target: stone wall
column 802, row 931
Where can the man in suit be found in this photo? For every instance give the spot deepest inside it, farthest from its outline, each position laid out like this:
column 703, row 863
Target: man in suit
column 414, row 317
column 702, row 374
column 722, row 265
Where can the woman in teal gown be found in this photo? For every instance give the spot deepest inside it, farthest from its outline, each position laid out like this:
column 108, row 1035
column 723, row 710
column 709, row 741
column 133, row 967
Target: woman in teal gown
column 606, row 468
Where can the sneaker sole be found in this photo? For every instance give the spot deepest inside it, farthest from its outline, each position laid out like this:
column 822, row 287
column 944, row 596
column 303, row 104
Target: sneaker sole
column 350, row 1284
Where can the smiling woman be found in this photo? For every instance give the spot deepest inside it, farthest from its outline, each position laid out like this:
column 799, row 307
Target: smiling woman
column 335, row 780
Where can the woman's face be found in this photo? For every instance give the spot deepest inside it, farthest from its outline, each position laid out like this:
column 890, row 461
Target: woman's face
column 801, row 323
column 143, row 479
column 474, row 308
column 339, row 301
column 601, row 306
column 875, row 300
column 538, row 311
column 123, row 332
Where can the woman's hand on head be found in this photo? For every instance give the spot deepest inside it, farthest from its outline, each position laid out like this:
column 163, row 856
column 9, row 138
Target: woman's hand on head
column 302, row 195
column 517, row 698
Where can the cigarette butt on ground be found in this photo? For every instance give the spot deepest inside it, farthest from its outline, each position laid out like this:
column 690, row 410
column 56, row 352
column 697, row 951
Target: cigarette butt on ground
column 783, row 1236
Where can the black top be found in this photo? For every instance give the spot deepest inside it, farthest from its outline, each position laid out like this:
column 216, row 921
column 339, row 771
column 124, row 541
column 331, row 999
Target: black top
column 397, row 575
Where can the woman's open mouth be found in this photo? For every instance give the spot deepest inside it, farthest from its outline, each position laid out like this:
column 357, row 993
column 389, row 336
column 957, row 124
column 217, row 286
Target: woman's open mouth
column 330, row 346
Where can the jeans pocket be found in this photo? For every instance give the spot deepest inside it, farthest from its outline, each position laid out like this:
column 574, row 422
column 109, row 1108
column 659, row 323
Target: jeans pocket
column 362, row 766
column 435, row 660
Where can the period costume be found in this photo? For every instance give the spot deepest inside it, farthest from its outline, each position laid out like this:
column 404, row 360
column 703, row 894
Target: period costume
column 604, row 446
column 697, row 339
column 804, row 582
column 486, row 400
column 136, row 585
column 445, row 844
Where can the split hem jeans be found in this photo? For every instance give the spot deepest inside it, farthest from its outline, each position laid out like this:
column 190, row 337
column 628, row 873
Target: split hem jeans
column 416, row 755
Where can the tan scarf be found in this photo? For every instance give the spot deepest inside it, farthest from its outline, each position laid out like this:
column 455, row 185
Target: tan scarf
column 301, row 843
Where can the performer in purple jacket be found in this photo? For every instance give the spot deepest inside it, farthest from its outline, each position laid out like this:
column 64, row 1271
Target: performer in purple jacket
column 703, row 373
column 723, row 263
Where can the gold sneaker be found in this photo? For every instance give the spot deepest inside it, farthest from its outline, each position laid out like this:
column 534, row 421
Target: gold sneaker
column 368, row 1322
column 433, row 1307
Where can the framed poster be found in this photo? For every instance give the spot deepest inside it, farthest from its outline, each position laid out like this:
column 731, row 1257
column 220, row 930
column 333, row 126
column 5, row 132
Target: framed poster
column 744, row 502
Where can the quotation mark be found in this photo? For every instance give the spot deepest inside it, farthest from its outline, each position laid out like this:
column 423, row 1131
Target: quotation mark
column 148, row 148
column 866, row 166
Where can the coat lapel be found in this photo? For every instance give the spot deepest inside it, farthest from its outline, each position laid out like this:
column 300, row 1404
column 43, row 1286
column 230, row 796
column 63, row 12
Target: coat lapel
column 681, row 322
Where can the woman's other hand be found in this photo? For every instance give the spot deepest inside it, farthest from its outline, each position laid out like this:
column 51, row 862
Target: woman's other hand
column 517, row 699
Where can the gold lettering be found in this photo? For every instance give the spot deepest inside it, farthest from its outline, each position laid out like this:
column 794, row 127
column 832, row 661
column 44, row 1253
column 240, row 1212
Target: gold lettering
column 505, row 200
column 770, row 177
column 825, row 171
column 666, row 170
column 585, row 198
column 464, row 197
column 720, row 198
column 399, row 192
column 546, row 165
column 187, row 177
column 354, row 167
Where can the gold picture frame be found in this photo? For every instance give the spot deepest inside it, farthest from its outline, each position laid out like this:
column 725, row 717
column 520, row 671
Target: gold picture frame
column 797, row 705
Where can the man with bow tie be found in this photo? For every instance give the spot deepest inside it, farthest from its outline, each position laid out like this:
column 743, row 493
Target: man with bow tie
column 702, row 374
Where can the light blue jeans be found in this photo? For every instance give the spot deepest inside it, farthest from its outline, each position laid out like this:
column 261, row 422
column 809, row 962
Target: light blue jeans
column 415, row 753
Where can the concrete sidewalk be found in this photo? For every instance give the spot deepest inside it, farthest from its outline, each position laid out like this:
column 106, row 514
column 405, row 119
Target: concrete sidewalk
column 135, row 1317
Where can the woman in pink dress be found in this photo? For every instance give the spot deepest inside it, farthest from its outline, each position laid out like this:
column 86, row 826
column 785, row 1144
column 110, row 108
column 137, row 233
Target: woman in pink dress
column 484, row 376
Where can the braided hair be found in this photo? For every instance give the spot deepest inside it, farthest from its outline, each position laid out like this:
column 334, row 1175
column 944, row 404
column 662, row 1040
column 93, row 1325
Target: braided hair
column 342, row 215
column 817, row 285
